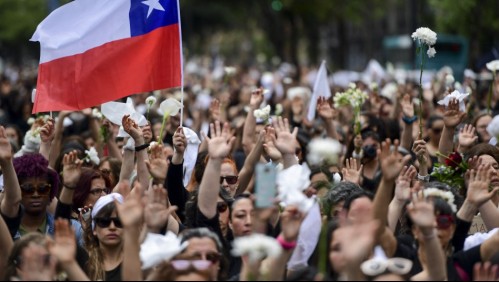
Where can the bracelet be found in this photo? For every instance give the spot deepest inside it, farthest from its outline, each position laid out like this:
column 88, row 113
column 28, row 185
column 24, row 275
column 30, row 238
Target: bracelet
column 409, row 120
column 141, row 147
column 425, row 178
column 285, row 244
column 69, row 187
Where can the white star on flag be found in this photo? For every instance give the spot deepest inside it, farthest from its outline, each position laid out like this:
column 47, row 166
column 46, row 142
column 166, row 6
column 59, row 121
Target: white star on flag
column 153, row 5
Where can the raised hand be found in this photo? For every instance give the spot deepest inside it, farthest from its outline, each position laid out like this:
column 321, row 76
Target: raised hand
column 256, row 98
column 131, row 212
column 407, row 106
column 478, row 186
column 157, row 163
column 421, row 151
column 156, row 211
column 403, row 184
column 286, row 140
column 269, row 144
column 452, row 115
column 291, row 220
column 485, row 272
column 220, row 143
column 179, row 140
column 36, row 265
column 467, row 136
column 352, row 170
column 64, row 246
column 71, row 170
column 131, row 127
column 47, row 131
column 421, row 211
column 324, row 109
column 392, row 161
column 356, row 241
column 5, row 147
column 215, row 110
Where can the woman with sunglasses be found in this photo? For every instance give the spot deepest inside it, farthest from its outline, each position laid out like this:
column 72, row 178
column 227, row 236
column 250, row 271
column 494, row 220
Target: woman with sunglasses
column 104, row 240
column 82, row 187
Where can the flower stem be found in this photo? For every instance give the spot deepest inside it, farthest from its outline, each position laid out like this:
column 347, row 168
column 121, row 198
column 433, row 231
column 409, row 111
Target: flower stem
column 421, row 93
column 160, row 137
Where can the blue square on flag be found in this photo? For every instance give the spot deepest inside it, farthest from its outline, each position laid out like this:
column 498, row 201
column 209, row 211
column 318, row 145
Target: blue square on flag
column 148, row 15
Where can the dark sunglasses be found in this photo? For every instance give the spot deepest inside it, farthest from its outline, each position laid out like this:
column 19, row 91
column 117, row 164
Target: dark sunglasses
column 105, row 222
column 29, row 189
column 222, row 207
column 98, row 191
column 210, row 256
column 444, row 221
column 230, row 179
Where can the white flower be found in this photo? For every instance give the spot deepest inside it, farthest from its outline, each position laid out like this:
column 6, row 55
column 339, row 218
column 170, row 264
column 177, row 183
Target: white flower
column 278, row 109
column 449, row 80
column 262, row 114
column 153, row 144
column 445, row 195
column 150, row 101
column 336, row 178
column 257, row 247
column 170, row 107
column 291, row 183
column 493, row 66
column 456, row 95
column 157, row 248
column 92, row 156
column 431, row 52
column 31, row 120
column 96, row 114
column 425, row 36
column 230, row 71
column 320, row 150
column 493, row 127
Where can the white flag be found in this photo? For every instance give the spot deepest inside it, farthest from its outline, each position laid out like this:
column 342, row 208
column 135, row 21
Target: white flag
column 321, row 89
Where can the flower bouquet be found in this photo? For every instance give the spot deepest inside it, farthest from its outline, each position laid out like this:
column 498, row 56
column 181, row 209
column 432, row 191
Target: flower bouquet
column 451, row 171
column 354, row 98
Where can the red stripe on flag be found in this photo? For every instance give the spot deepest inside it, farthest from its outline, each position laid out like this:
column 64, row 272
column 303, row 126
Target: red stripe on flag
column 111, row 71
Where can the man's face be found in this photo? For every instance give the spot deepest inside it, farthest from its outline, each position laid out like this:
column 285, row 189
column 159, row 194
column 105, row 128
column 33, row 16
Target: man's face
column 35, row 195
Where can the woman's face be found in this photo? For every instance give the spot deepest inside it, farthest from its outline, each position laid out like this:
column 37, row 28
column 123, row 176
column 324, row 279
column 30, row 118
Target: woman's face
column 445, row 232
column 204, row 248
column 35, row 193
column 228, row 171
column 494, row 168
column 97, row 189
column 11, row 134
column 435, row 131
column 110, row 231
column 241, row 217
column 105, row 169
column 336, row 257
column 481, row 128
column 370, row 147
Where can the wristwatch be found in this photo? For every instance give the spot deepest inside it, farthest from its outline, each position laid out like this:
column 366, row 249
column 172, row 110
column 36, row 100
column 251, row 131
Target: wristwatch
column 425, row 178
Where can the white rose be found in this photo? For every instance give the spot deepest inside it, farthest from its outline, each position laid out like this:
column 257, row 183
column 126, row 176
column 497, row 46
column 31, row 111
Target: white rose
column 425, row 36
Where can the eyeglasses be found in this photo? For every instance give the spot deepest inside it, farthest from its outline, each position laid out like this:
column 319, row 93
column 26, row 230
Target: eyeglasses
column 222, row 207
column 444, row 221
column 231, row 179
column 213, row 257
column 199, row 265
column 29, row 189
column 377, row 266
column 105, row 222
column 98, row 191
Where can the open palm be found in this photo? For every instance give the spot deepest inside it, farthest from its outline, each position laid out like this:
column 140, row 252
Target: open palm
column 286, row 140
column 220, row 143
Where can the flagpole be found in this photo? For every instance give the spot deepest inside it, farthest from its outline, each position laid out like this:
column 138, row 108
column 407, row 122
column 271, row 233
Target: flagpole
column 181, row 66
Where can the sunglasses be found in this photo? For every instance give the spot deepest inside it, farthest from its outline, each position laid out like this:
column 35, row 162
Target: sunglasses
column 29, row 189
column 222, row 207
column 377, row 266
column 199, row 265
column 209, row 256
column 106, row 222
column 98, row 191
column 230, row 179
column 444, row 221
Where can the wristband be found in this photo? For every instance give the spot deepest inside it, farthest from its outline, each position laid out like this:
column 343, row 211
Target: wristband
column 285, row 244
column 425, row 178
column 409, row 120
column 141, row 147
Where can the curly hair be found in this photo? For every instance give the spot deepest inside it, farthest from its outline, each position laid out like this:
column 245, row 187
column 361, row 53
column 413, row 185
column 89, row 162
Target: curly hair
column 35, row 165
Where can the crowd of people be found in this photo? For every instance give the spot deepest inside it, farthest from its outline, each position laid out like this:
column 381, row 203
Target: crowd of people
column 391, row 194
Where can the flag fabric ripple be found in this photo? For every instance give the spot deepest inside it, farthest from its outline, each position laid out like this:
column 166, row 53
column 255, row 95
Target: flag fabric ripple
column 95, row 51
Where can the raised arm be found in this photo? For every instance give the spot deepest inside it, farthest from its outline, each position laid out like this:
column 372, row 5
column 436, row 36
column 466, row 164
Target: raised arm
column 421, row 151
column 285, row 141
column 248, row 169
column 71, row 175
column 250, row 123
column 402, row 194
column 5, row 246
column 157, row 214
column 135, row 132
column 452, row 118
column 328, row 114
column 467, row 138
column 219, row 146
column 47, row 133
column 12, row 192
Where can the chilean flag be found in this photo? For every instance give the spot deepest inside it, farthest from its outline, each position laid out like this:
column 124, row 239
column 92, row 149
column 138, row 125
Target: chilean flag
column 96, row 51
